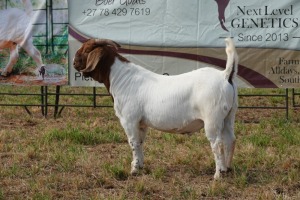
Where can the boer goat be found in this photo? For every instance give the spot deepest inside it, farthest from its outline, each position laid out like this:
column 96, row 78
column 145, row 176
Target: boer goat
column 184, row 103
column 15, row 31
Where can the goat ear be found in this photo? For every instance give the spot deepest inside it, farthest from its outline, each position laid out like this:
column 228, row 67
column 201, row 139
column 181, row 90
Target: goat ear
column 93, row 59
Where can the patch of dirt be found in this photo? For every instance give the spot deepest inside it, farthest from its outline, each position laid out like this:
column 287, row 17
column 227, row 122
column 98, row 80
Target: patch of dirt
column 26, row 80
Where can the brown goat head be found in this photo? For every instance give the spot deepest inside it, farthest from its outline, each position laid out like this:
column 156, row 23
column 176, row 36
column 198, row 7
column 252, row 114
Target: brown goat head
column 95, row 58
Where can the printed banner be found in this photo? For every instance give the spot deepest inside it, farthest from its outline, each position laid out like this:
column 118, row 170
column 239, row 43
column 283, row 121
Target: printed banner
column 33, row 42
column 174, row 37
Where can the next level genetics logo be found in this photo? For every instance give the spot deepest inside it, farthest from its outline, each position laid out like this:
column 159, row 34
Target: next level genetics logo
column 261, row 17
column 257, row 23
column 222, row 4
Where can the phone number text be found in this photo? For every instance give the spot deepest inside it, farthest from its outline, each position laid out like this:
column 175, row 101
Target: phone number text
column 116, row 12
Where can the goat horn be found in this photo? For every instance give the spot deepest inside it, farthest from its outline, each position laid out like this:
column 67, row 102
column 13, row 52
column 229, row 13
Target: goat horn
column 107, row 42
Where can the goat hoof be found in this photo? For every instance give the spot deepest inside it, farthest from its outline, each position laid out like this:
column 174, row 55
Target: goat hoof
column 5, row 74
column 229, row 169
column 3, row 77
column 217, row 176
column 134, row 172
column 221, row 173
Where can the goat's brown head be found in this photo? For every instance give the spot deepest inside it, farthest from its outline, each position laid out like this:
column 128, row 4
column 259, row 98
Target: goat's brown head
column 95, row 58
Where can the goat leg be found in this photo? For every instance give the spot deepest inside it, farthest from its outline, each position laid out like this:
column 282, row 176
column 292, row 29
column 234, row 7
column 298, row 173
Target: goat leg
column 14, row 55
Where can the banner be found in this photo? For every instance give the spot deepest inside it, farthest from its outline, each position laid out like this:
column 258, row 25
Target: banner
column 33, row 42
column 174, row 37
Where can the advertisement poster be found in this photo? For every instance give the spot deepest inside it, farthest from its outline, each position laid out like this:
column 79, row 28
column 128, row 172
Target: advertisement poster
column 33, row 42
column 174, row 37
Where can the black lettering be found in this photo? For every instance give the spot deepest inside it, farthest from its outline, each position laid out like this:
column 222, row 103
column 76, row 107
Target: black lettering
column 104, row 2
column 281, row 79
column 281, row 61
column 243, row 11
column 295, row 23
column 286, row 22
column 235, row 23
column 256, row 23
column 273, row 71
column 132, row 2
column 77, row 75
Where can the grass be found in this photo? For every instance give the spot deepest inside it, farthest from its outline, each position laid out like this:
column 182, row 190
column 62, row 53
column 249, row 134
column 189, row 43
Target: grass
column 117, row 171
column 84, row 155
column 85, row 137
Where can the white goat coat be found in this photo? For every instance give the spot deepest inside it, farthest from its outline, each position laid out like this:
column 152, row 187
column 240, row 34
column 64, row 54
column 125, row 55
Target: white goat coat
column 14, row 24
column 162, row 102
column 183, row 103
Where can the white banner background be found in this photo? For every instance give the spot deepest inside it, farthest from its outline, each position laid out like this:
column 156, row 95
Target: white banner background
column 196, row 27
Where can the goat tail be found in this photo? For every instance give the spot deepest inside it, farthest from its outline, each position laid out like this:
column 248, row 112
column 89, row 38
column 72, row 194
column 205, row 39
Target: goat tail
column 28, row 7
column 232, row 61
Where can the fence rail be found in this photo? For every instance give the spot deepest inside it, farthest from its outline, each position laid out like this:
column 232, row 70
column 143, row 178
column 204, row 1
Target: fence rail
column 52, row 97
column 296, row 98
column 284, row 105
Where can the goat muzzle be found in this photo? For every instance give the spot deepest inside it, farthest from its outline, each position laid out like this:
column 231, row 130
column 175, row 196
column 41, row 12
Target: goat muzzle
column 77, row 62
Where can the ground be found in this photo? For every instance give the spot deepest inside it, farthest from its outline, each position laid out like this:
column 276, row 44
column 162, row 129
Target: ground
column 83, row 154
column 22, row 80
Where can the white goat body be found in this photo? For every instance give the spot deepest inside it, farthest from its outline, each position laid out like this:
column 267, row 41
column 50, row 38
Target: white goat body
column 15, row 31
column 170, row 103
column 183, row 103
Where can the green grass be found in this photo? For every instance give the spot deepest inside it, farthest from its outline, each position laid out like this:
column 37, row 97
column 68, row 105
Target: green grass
column 84, row 154
column 85, row 137
column 1, row 194
column 117, row 171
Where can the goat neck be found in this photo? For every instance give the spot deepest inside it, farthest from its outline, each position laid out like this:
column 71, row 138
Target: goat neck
column 129, row 77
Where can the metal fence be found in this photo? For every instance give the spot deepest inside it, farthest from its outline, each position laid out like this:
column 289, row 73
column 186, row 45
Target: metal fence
column 296, row 98
column 47, row 97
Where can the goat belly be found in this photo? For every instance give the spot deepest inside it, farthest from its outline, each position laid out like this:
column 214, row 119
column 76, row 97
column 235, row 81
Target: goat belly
column 188, row 128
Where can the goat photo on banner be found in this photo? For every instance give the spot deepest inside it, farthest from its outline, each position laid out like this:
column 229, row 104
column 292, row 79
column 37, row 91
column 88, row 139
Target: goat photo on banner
column 33, row 51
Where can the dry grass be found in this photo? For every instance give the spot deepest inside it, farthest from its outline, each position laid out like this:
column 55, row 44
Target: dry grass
column 84, row 155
